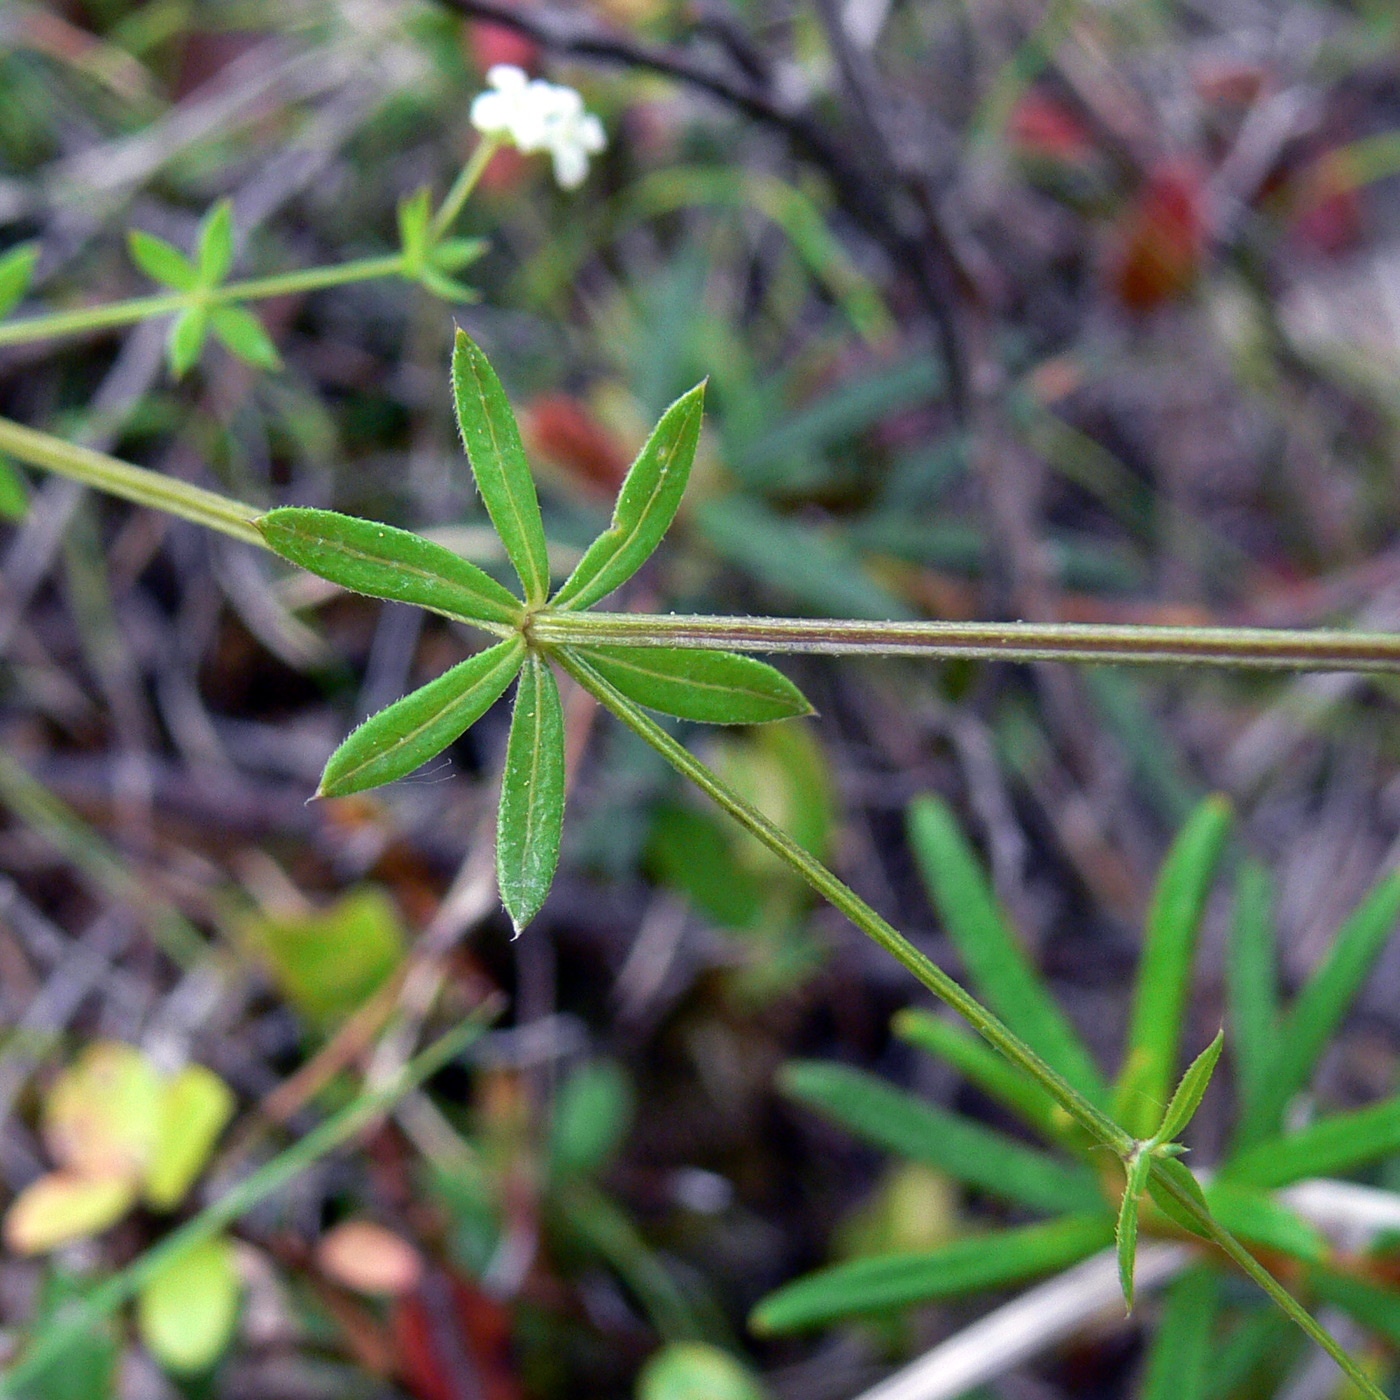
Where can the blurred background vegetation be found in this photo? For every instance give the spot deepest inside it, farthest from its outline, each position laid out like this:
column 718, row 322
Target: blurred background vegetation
column 1087, row 310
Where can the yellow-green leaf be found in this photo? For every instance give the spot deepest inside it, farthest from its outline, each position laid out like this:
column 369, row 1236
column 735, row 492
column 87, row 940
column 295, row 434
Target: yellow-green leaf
column 187, row 1311
column 194, row 1110
column 65, row 1206
column 102, row 1115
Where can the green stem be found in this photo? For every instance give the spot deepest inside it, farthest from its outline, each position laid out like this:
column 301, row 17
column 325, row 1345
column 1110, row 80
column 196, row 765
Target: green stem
column 1092, row 1119
column 104, row 1300
column 462, row 187
column 1259, row 647
column 1278, row 1294
column 1102, row 1128
column 118, row 478
column 126, row 313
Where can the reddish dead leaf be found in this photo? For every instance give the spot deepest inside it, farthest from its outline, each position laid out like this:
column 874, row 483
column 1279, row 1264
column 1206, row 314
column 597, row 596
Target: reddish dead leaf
column 454, row 1342
column 1229, row 82
column 1161, row 240
column 1042, row 128
column 1326, row 216
column 564, row 432
column 491, row 44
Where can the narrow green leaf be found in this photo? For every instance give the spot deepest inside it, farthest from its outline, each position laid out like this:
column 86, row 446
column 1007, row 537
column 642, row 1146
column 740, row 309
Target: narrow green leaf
column 993, row 1260
column 244, row 334
column 1127, row 1230
column 186, row 340
column 414, row 213
column 492, row 442
column 16, row 273
column 448, row 289
column 214, row 254
column 1263, row 1343
column 709, row 687
column 1341, row 1142
column 1260, row 1218
column 995, row 960
column 14, row 494
column 409, row 732
column 453, row 254
column 646, row 505
column 1190, row 1091
column 1251, row 985
column 983, row 1066
column 1179, row 1174
column 1319, row 1009
column 1375, row 1308
column 161, row 261
column 966, row 1150
column 1181, row 1344
column 531, row 815
column 387, row 563
column 1164, row 974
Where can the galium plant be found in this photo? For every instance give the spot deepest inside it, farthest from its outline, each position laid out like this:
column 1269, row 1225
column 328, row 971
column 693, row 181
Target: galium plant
column 695, row 668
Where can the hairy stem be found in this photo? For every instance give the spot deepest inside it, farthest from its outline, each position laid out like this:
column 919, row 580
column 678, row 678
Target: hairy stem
column 1102, row 1128
column 125, row 313
column 1254, row 647
column 118, row 478
column 83, row 1316
column 1091, row 1118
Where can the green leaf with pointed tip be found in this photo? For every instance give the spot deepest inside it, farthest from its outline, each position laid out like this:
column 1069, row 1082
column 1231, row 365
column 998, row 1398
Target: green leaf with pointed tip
column 414, row 214
column 1341, row 1142
column 214, row 252
column 447, row 288
column 1251, row 984
column 453, row 254
column 397, row 740
column 1127, row 1230
column 16, row 273
column 1190, row 1091
column 243, row 333
column 983, row 1066
column 995, row 959
column 387, row 563
column 1318, row 1010
column 1176, row 1171
column 186, row 341
column 530, row 818
column 921, row 1131
column 1181, row 1344
column 1259, row 1217
column 993, row 1260
column 1164, row 974
column 492, row 442
column 161, row 261
column 646, row 505
column 709, row 687
column 14, row 495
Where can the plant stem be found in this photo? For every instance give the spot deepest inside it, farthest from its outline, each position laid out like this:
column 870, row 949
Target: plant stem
column 104, row 1300
column 126, row 313
column 118, row 478
column 462, row 187
column 1102, row 1128
column 1278, row 1294
column 1091, row 1118
column 1257, row 647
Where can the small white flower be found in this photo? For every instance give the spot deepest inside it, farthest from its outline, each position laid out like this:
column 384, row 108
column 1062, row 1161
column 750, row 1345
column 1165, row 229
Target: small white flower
column 539, row 116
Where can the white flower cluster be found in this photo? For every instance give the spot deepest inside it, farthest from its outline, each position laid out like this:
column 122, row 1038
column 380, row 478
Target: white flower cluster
column 538, row 116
